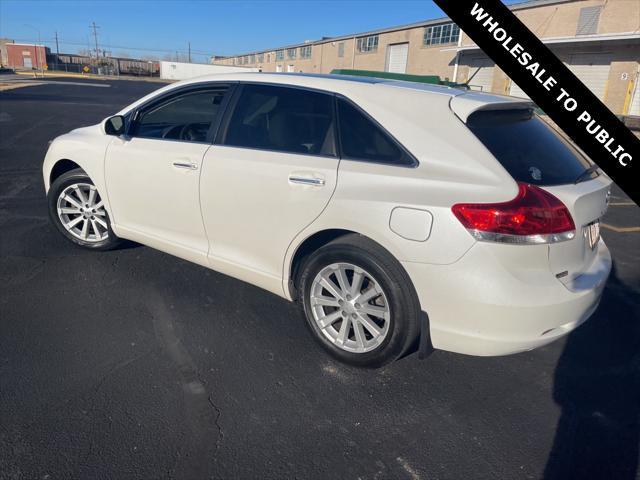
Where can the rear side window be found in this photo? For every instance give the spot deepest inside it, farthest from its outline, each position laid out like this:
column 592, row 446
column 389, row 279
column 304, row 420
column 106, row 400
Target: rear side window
column 362, row 139
column 187, row 117
column 529, row 149
column 282, row 119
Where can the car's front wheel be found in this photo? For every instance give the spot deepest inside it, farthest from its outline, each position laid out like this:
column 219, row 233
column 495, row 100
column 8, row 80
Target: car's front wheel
column 77, row 210
column 359, row 302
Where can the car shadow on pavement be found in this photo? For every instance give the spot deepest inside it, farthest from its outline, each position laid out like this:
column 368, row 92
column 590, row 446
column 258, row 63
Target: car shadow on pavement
column 597, row 386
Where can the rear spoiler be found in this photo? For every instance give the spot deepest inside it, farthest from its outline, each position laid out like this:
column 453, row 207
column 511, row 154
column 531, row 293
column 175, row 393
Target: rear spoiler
column 467, row 103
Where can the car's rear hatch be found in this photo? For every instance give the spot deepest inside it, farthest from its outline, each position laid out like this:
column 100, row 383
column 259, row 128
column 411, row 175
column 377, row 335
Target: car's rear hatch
column 587, row 201
column 534, row 153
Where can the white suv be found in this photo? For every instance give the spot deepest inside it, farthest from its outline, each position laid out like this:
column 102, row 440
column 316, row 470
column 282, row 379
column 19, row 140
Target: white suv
column 389, row 210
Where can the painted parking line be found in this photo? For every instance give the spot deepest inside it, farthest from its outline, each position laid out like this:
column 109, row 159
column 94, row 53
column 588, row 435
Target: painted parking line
column 44, row 82
column 82, row 84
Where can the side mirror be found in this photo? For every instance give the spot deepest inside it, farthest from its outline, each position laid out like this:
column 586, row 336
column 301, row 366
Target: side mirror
column 114, row 125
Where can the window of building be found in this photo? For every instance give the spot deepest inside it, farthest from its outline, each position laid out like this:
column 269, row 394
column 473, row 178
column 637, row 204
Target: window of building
column 279, row 55
column 186, row 117
column 367, row 44
column 260, row 57
column 588, row 20
column 441, row 34
column 363, row 139
column 341, row 49
column 282, row 119
column 305, row 52
column 252, row 59
column 291, row 53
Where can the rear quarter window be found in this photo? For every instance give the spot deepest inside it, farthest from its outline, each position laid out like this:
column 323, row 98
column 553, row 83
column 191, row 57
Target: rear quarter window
column 529, row 149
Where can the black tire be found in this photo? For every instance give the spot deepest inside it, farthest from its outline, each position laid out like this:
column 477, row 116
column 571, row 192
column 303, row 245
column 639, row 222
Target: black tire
column 57, row 187
column 404, row 323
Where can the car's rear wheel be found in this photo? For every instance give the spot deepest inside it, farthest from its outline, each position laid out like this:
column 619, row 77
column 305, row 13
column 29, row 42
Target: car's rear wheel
column 77, row 210
column 359, row 302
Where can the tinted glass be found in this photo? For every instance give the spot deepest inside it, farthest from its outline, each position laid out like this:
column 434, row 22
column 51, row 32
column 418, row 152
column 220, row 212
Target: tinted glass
column 282, row 119
column 528, row 148
column 187, row 117
column 363, row 139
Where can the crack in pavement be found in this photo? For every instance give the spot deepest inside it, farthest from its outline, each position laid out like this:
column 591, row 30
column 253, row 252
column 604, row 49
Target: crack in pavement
column 200, row 410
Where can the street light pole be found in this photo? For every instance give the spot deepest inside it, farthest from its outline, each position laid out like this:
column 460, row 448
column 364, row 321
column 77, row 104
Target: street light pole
column 38, row 57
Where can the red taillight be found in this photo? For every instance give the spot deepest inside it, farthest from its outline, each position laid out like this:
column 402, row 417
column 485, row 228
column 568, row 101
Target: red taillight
column 534, row 213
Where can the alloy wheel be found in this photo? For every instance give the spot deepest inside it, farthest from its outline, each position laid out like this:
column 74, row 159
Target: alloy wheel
column 350, row 307
column 81, row 212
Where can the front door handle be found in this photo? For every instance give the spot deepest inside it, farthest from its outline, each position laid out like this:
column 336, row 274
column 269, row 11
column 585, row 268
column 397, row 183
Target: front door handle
column 314, row 181
column 187, row 165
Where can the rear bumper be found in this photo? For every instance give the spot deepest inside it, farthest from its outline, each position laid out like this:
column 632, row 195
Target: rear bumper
column 480, row 305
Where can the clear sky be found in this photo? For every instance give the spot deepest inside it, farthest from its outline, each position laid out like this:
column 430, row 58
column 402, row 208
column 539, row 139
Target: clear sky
column 223, row 27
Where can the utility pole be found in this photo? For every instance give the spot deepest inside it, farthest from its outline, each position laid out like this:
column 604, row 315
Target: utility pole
column 57, row 51
column 95, row 37
column 189, row 52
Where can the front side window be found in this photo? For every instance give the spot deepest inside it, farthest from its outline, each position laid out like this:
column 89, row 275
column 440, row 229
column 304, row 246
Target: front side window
column 186, row 117
column 279, row 55
column 362, row 139
column 291, row 53
column 367, row 44
column 282, row 119
column 441, row 34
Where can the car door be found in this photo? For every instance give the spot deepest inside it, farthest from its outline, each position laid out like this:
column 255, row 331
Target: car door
column 153, row 172
column 271, row 172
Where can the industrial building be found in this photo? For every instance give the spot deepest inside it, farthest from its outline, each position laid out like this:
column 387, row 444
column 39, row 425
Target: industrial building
column 25, row 55
column 599, row 40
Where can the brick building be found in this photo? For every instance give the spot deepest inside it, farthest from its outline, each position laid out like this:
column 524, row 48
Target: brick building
column 28, row 56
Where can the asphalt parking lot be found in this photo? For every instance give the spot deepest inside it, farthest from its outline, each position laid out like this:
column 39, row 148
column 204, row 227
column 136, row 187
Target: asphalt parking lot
column 135, row 364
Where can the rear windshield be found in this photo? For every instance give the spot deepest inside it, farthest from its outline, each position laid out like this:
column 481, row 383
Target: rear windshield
column 529, row 149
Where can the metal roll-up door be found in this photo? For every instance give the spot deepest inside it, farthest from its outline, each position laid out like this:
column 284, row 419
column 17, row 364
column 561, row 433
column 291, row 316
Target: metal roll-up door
column 484, row 77
column 397, row 57
column 593, row 70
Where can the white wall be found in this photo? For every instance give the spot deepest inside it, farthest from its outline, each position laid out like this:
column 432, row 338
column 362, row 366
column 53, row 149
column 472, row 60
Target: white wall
column 180, row 71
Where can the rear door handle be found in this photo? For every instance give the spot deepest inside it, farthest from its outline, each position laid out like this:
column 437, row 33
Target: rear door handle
column 186, row 165
column 314, row 181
